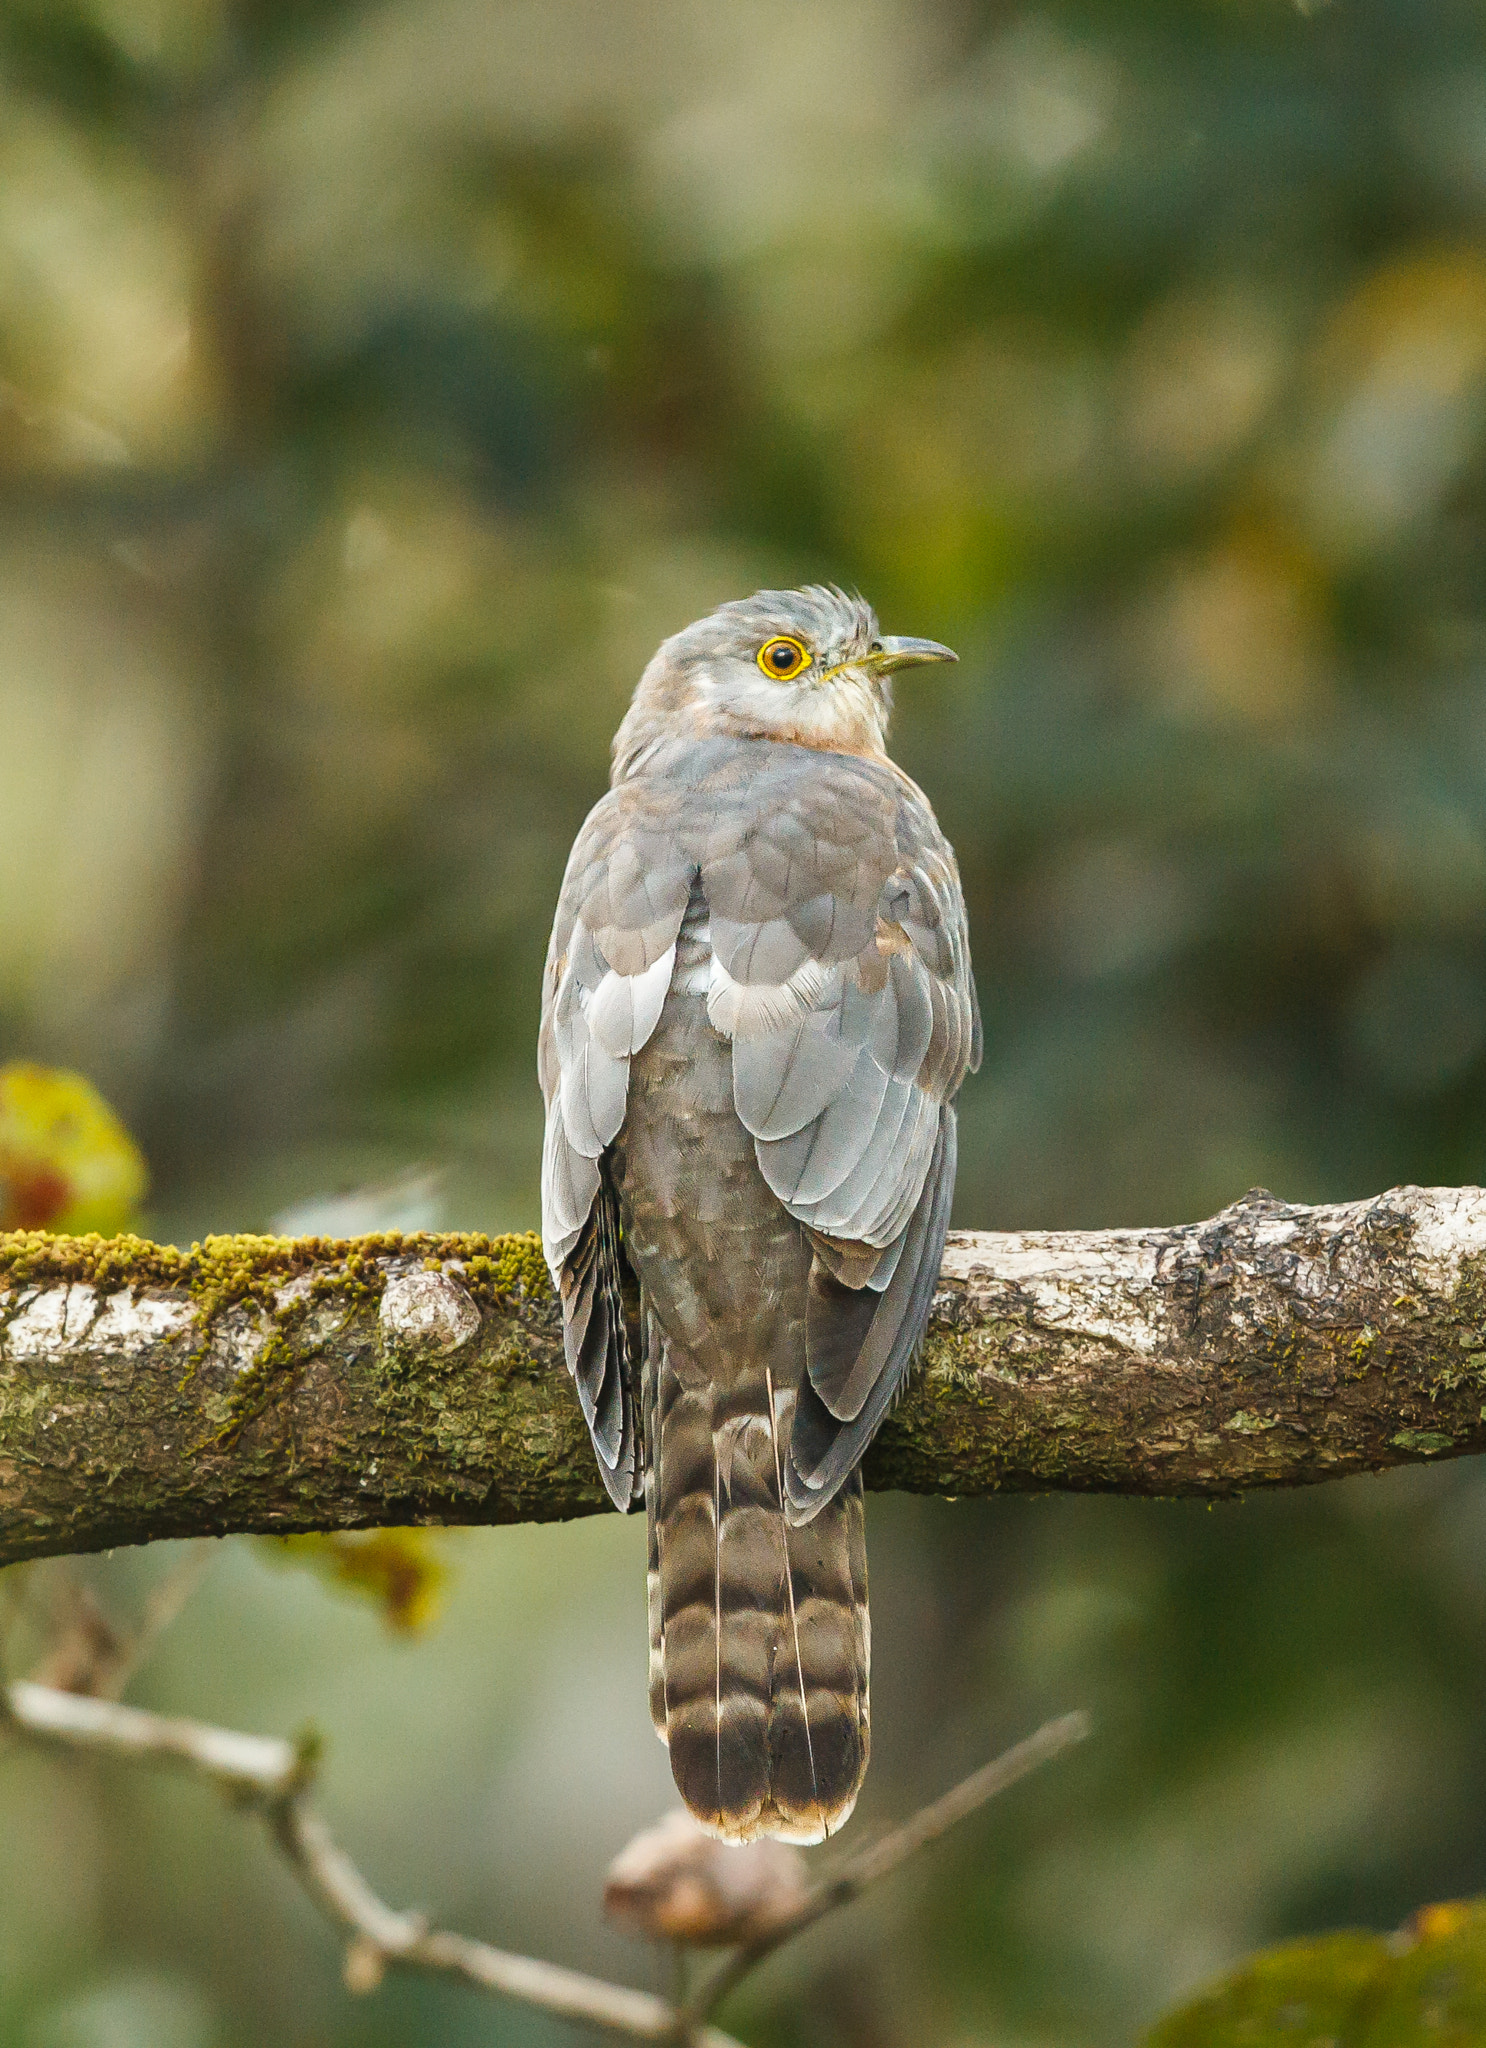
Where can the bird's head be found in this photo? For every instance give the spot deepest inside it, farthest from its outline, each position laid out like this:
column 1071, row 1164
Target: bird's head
column 808, row 666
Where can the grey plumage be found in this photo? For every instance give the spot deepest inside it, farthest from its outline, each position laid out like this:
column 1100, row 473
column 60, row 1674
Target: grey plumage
column 756, row 1012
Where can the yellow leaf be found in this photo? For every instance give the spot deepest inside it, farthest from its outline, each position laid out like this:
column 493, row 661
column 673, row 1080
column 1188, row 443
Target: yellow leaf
column 399, row 1569
column 66, row 1162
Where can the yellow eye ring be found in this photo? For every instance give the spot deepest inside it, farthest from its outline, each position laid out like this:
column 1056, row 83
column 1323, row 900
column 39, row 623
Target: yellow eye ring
column 783, row 657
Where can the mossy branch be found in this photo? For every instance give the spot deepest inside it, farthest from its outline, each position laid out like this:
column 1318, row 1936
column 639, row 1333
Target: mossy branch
column 281, row 1384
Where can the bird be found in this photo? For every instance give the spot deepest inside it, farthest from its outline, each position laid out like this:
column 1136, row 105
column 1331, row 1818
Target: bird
column 757, row 1009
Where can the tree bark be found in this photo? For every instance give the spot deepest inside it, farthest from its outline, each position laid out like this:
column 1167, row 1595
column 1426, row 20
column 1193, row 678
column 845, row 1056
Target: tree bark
column 283, row 1385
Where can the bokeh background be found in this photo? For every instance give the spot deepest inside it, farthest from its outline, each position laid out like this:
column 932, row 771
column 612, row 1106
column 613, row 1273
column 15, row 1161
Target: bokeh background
column 378, row 384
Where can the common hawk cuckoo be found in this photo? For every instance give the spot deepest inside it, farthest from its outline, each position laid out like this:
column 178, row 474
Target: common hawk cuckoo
column 756, row 1011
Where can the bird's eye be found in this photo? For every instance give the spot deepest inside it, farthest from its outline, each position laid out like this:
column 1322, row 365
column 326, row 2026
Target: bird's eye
column 783, row 657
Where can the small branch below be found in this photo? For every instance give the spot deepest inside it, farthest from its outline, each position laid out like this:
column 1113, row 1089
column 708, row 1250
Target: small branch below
column 276, row 1779
column 257, row 1766
column 879, row 1858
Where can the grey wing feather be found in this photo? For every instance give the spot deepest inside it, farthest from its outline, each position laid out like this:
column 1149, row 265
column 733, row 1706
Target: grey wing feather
column 608, row 970
column 596, row 1346
column 836, row 1421
column 841, row 972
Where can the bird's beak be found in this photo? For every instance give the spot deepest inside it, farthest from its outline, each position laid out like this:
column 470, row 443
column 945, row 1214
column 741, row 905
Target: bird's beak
column 904, row 653
column 890, row 653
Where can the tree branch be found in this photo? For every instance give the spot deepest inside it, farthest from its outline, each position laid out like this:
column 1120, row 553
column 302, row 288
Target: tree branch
column 275, row 1777
column 883, row 1856
column 277, row 1385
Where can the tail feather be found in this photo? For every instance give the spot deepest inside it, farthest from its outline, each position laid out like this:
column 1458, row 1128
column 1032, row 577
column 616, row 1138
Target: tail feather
column 759, row 1635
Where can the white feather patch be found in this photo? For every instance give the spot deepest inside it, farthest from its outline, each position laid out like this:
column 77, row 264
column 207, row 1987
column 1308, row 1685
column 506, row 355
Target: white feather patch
column 624, row 1009
column 569, row 1184
column 740, row 1009
column 592, row 1096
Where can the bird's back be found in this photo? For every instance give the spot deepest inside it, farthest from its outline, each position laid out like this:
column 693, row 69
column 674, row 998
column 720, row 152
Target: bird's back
column 758, row 1631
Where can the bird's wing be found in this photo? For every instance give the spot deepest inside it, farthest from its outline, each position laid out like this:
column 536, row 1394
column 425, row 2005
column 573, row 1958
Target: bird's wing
column 841, row 972
column 608, row 969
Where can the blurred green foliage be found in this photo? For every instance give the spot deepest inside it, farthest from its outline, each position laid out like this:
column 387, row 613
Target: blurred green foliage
column 378, row 384
column 1424, row 1990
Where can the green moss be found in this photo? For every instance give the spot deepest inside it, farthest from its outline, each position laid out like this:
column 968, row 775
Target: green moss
column 1284, row 1350
column 37, row 1258
column 1359, row 1353
column 221, row 1274
column 1428, row 1442
column 1468, row 1304
column 20, row 1404
column 221, row 1270
column 513, row 1269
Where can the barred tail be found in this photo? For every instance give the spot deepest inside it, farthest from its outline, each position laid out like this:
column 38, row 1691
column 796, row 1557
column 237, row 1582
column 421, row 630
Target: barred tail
column 759, row 1635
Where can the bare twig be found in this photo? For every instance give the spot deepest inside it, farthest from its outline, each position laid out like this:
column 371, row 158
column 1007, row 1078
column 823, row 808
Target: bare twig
column 166, row 1603
column 405, row 1939
column 880, row 1857
column 276, row 1777
column 248, row 1766
column 87, row 1651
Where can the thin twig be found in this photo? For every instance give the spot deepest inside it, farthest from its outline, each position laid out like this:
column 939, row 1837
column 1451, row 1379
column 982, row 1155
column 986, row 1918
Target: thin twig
column 275, row 1777
column 89, row 1652
column 881, row 1857
column 406, row 1940
column 248, row 1766
column 166, row 1603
